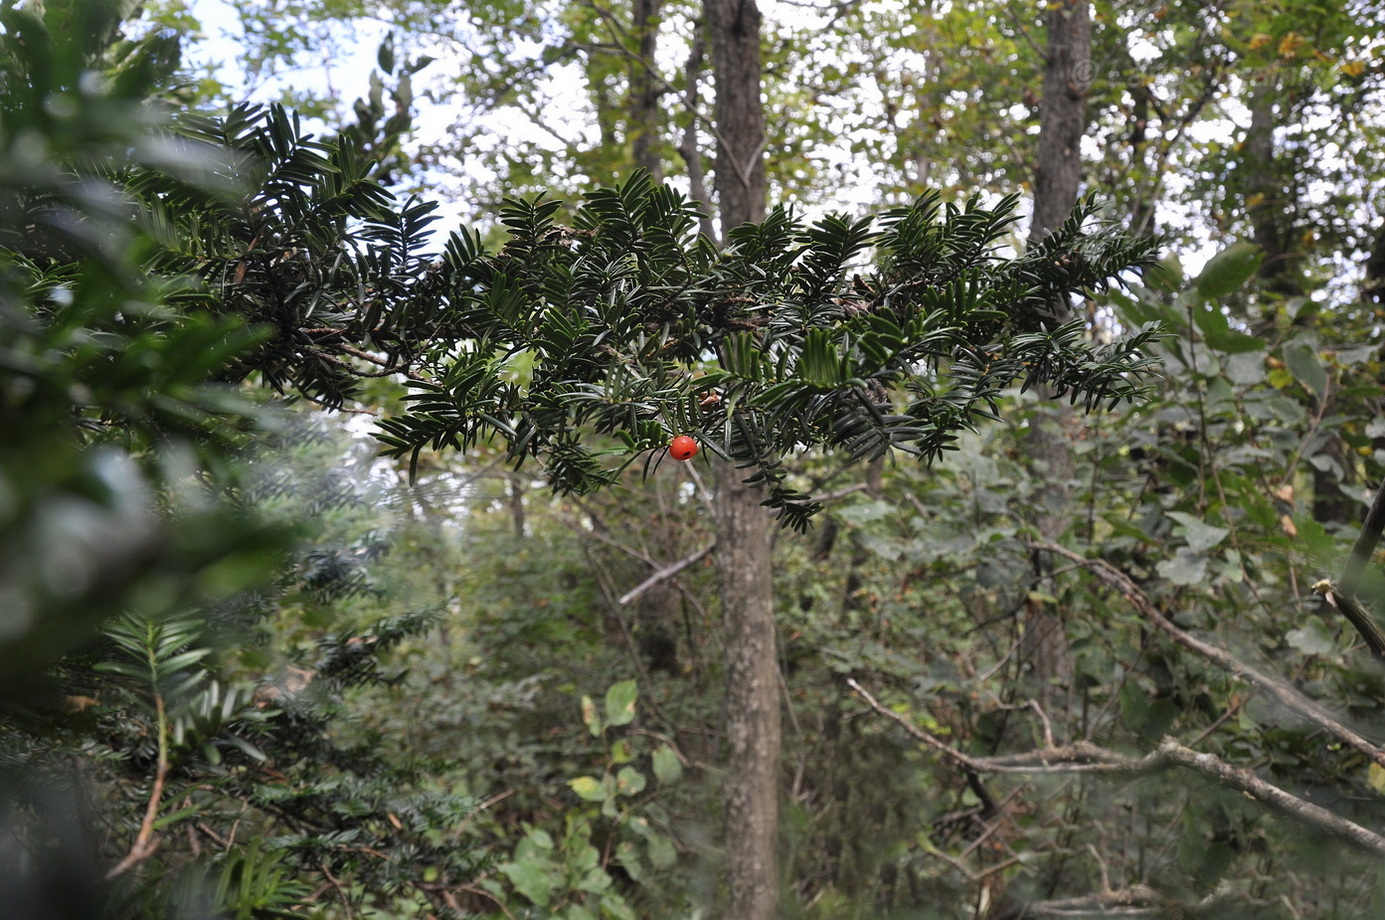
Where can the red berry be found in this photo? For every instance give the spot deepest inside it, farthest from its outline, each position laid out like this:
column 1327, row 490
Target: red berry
column 682, row 448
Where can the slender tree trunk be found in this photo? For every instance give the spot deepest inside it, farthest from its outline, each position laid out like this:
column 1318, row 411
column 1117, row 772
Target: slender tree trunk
column 744, row 526
column 1057, row 180
column 644, row 127
column 1268, row 201
column 1062, row 115
column 689, row 147
column 744, row 541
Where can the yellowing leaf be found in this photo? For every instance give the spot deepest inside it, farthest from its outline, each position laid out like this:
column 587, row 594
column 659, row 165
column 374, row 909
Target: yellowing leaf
column 1286, row 524
column 1375, row 777
column 1353, row 68
column 1259, row 40
column 589, row 716
column 1289, row 45
column 588, row 788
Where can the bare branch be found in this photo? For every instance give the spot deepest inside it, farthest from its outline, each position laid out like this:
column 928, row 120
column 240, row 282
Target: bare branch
column 1114, row 578
column 1084, row 757
column 1355, row 613
column 665, row 574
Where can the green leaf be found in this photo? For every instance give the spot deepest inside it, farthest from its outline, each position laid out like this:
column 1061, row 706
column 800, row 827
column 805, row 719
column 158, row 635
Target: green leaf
column 1228, row 270
column 1307, row 367
column 1200, row 535
column 532, row 878
column 630, row 781
column 588, row 788
column 620, row 702
column 667, row 767
column 1185, row 568
column 1246, row 368
column 1313, row 638
column 661, row 851
column 1318, row 541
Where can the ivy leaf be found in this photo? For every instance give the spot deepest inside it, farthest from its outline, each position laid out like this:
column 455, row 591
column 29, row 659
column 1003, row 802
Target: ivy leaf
column 661, row 851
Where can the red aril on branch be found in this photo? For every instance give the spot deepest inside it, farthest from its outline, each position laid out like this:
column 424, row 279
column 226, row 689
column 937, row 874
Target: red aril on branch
column 682, row 448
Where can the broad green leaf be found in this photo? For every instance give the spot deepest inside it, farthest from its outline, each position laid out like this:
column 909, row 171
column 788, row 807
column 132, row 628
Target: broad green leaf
column 1307, row 367
column 532, row 878
column 1166, row 275
column 1233, row 342
column 628, row 855
column 661, row 851
column 1313, row 638
column 1228, row 270
column 622, row 751
column 1200, row 535
column 620, row 702
column 667, row 767
column 1314, row 536
column 1185, row 568
column 630, row 781
column 1355, row 354
column 1246, row 368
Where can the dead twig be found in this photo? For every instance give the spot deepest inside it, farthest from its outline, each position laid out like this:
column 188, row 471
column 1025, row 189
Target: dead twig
column 1085, row 757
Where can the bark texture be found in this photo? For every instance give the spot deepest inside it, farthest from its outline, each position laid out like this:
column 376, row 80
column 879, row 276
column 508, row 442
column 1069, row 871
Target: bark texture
column 644, row 90
column 734, row 33
column 744, row 541
column 1062, row 115
column 1057, row 181
column 744, row 527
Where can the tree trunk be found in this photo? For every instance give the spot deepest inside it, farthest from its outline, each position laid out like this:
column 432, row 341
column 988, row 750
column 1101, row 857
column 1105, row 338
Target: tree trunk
column 744, row 527
column 689, row 147
column 733, row 29
column 1269, row 204
column 744, row 541
column 1062, row 115
column 1057, row 180
column 644, row 89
